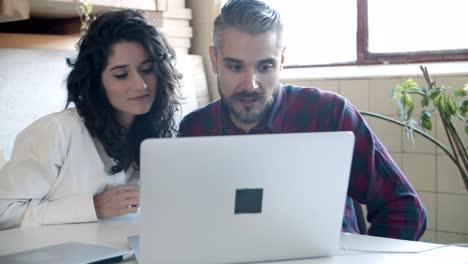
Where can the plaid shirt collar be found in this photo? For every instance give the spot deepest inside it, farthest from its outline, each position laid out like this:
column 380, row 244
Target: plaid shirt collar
column 269, row 124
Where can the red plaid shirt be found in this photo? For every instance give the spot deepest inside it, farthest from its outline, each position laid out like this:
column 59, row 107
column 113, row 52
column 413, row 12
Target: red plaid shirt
column 393, row 207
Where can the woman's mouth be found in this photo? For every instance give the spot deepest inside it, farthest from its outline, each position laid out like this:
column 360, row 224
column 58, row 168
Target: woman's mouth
column 140, row 98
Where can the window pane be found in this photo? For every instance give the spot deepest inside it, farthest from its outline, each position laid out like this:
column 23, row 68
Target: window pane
column 417, row 25
column 318, row 31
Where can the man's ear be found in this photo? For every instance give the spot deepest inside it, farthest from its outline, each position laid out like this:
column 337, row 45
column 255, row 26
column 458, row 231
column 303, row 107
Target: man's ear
column 212, row 51
column 282, row 57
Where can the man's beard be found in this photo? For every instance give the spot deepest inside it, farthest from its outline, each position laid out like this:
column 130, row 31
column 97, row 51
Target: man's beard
column 247, row 115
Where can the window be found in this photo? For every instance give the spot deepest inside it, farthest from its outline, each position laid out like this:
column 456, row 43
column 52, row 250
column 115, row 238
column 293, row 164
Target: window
column 318, row 32
column 417, row 25
column 346, row 32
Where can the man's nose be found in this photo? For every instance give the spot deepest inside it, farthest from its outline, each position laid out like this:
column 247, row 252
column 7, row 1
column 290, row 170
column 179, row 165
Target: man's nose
column 251, row 81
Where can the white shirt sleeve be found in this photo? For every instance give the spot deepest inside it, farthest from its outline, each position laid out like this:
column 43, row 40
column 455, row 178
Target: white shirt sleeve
column 32, row 174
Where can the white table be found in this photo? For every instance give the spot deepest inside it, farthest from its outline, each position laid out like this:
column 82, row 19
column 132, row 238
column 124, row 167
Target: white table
column 114, row 232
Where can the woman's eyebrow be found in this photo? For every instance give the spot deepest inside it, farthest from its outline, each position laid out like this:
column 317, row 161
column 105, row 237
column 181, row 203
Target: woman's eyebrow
column 118, row 67
column 146, row 61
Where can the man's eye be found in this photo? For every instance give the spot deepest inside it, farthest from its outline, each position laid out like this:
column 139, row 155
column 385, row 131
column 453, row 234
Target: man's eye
column 121, row 76
column 266, row 67
column 235, row 67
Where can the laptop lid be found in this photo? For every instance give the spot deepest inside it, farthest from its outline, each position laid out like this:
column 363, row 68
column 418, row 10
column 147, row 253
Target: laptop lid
column 234, row 199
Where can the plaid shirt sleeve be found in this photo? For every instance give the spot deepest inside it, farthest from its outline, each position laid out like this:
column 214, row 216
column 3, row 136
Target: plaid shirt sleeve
column 394, row 209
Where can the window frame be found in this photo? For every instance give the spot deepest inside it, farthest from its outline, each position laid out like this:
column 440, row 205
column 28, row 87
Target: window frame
column 364, row 57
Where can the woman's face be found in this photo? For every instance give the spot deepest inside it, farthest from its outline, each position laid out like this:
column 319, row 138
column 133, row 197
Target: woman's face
column 129, row 81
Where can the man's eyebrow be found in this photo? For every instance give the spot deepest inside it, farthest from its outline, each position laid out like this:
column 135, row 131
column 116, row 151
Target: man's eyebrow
column 269, row 60
column 232, row 60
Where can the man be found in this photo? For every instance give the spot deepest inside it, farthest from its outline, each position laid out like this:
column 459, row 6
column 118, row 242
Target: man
column 247, row 56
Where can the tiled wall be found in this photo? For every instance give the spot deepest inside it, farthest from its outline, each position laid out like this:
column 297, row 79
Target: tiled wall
column 433, row 175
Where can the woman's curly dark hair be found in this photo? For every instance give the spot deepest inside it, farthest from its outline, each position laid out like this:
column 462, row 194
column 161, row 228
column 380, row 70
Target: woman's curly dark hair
column 86, row 91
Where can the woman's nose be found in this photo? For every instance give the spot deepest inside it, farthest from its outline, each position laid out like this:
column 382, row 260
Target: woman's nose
column 139, row 82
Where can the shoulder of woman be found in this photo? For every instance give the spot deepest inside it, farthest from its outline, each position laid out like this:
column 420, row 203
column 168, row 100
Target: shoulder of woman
column 59, row 124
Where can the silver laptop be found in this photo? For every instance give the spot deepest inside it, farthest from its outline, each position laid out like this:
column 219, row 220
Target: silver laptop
column 238, row 199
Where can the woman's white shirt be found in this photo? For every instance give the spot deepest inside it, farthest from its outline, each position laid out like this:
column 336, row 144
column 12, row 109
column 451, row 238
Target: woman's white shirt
column 54, row 172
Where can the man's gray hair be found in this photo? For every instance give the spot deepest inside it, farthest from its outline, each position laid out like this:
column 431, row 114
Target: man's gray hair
column 250, row 16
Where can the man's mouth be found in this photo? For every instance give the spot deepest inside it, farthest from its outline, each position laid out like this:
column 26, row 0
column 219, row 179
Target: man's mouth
column 249, row 99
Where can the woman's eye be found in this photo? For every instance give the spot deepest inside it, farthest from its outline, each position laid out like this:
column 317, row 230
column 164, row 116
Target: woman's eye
column 121, row 76
column 147, row 71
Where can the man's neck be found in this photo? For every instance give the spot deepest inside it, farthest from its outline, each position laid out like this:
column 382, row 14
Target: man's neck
column 242, row 125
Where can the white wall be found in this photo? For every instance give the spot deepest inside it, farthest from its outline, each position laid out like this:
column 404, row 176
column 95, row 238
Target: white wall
column 31, row 86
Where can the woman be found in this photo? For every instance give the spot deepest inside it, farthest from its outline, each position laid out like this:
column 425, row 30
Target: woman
column 82, row 163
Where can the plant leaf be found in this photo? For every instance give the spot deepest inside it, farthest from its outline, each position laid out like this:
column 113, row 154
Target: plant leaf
column 89, row 8
column 397, row 91
column 443, row 103
column 425, row 101
column 459, row 92
column 434, row 94
column 464, row 108
column 437, row 98
column 426, row 120
column 424, row 90
column 452, row 107
column 409, row 103
column 411, row 86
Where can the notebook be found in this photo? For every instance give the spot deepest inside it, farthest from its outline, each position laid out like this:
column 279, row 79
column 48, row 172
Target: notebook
column 236, row 199
column 68, row 253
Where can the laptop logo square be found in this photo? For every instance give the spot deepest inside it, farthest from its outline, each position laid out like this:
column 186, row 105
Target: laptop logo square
column 248, row 201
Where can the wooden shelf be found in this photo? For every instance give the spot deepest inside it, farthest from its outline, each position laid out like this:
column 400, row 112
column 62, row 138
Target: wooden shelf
column 51, row 23
column 67, row 8
column 11, row 10
column 38, row 41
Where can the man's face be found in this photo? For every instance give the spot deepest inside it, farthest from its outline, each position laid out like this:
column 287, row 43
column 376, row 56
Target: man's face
column 247, row 68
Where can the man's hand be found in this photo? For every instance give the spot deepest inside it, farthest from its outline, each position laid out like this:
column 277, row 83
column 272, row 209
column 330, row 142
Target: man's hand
column 117, row 201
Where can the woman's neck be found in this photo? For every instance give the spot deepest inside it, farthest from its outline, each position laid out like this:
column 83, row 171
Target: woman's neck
column 126, row 120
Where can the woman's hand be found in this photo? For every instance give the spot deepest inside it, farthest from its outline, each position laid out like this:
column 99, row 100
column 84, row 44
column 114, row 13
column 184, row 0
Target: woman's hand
column 117, row 201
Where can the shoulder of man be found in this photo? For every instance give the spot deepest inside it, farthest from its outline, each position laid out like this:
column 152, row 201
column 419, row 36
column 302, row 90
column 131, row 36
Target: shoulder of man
column 201, row 122
column 311, row 97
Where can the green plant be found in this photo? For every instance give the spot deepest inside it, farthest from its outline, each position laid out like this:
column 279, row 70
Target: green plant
column 84, row 8
column 450, row 103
